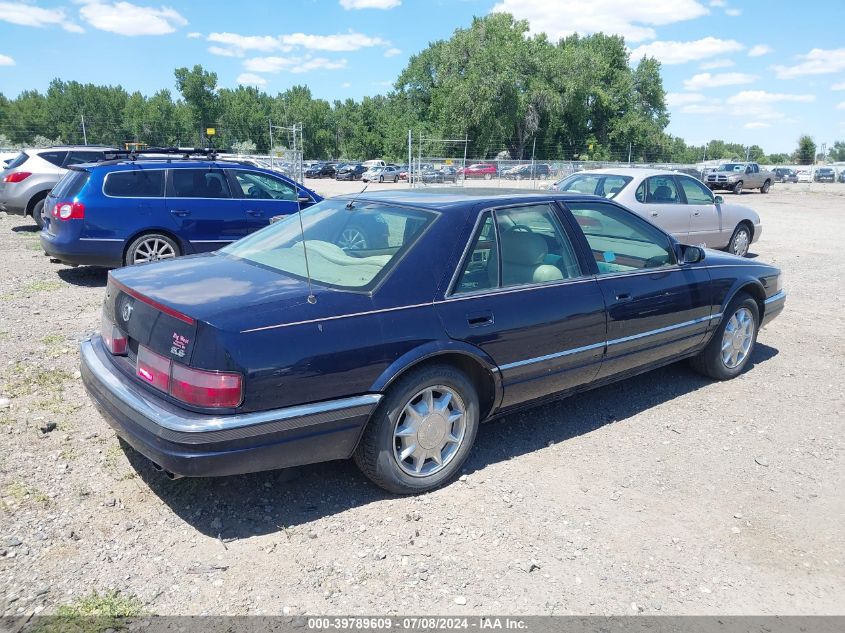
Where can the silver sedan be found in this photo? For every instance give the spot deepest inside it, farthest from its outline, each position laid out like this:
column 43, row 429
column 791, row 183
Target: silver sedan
column 677, row 203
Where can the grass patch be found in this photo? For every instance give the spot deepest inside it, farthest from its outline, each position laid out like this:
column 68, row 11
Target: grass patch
column 21, row 493
column 93, row 613
column 29, row 379
column 53, row 340
column 41, row 286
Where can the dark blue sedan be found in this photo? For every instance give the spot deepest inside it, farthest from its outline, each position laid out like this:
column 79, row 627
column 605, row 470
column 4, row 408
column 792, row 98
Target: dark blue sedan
column 287, row 348
column 129, row 211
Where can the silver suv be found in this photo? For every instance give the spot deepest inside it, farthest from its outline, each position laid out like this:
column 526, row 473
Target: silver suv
column 26, row 181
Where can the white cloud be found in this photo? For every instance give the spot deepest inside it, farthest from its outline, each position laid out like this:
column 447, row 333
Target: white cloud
column 125, row 18
column 718, row 3
column 263, row 43
column 634, row 20
column 755, row 125
column 5, row 60
column 733, row 12
column 224, row 52
column 341, row 42
column 759, row 50
column 194, row 35
column 703, row 108
column 757, row 97
column 840, row 105
column 839, row 86
column 818, row 61
column 683, row 98
column 369, row 4
column 251, row 79
column 292, row 64
column 706, row 80
column 346, row 84
column 25, row 14
column 392, row 52
column 683, row 52
column 717, row 63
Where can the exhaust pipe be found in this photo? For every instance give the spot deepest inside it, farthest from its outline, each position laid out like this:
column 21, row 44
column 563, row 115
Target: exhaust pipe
column 171, row 476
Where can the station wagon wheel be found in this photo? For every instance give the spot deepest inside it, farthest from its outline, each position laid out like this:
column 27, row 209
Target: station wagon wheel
column 152, row 247
column 353, row 238
column 730, row 348
column 422, row 432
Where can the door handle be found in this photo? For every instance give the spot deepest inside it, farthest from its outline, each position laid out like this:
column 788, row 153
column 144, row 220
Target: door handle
column 180, row 213
column 624, row 296
column 696, row 212
column 654, row 214
column 255, row 212
column 480, row 319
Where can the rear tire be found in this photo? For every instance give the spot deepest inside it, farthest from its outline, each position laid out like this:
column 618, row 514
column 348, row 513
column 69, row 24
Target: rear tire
column 38, row 213
column 727, row 354
column 765, row 187
column 381, row 178
column 151, row 247
column 430, row 416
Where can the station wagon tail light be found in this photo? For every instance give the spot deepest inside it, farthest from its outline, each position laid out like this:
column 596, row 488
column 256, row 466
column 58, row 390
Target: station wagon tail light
column 201, row 388
column 69, row 210
column 17, row 176
column 113, row 338
column 205, row 388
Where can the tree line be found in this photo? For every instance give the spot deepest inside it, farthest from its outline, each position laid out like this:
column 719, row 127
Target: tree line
column 491, row 87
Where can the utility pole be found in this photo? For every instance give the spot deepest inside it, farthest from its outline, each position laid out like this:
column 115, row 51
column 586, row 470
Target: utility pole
column 464, row 166
column 630, row 147
column 84, row 134
column 270, row 128
column 533, row 149
column 410, row 162
column 747, row 152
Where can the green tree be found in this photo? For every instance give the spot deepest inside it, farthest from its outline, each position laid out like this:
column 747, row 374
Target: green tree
column 805, row 154
column 198, row 87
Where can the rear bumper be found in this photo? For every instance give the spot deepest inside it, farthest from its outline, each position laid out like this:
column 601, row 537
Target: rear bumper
column 80, row 252
column 197, row 445
column 773, row 306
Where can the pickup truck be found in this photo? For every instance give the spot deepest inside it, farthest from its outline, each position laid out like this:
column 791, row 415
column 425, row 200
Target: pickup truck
column 738, row 176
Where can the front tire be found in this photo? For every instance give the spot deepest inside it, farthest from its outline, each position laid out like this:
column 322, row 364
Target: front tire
column 422, row 432
column 151, row 247
column 381, row 178
column 738, row 188
column 730, row 349
column 740, row 241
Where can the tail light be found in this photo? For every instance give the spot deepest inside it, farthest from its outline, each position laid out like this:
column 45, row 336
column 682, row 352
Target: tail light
column 207, row 389
column 17, row 176
column 69, row 211
column 113, row 338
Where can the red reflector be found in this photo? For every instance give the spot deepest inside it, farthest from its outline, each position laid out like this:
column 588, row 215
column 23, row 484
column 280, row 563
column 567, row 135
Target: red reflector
column 153, row 369
column 69, row 211
column 152, row 302
column 113, row 338
column 205, row 388
column 17, row 176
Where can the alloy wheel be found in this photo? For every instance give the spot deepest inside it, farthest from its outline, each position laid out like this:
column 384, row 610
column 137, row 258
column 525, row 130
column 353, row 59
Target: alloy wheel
column 737, row 338
column 429, row 431
column 152, row 250
column 740, row 243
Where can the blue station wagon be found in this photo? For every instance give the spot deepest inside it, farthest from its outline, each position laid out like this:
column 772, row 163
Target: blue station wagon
column 126, row 211
column 287, row 348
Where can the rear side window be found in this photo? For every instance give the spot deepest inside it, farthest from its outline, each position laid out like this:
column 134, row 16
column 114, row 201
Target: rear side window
column 135, row 183
column 56, row 158
column 18, row 160
column 198, row 183
column 75, row 158
column 71, row 184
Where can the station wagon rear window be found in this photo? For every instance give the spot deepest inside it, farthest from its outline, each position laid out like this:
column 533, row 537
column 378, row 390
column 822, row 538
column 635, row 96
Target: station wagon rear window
column 71, row 184
column 135, row 183
column 348, row 248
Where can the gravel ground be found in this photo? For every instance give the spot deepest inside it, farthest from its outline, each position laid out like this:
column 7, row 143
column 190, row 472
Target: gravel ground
column 666, row 493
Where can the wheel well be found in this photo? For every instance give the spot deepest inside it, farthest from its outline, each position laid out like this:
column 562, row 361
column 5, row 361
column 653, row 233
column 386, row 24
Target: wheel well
column 757, row 294
column 169, row 234
column 481, row 378
column 747, row 224
column 30, row 206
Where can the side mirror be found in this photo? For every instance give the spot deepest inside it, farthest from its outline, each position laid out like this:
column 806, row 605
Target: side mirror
column 303, row 199
column 719, row 200
column 691, row 254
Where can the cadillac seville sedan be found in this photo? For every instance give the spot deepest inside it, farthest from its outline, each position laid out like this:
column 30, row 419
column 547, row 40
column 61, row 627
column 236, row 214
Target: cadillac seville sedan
column 286, row 348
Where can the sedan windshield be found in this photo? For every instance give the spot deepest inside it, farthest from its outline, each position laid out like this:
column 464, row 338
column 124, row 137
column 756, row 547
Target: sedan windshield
column 345, row 248
column 604, row 185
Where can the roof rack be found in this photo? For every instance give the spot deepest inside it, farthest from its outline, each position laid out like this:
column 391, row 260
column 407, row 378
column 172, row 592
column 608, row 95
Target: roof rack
column 161, row 153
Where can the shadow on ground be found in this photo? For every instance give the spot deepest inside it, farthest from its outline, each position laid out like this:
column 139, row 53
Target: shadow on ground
column 25, row 228
column 85, row 276
column 261, row 503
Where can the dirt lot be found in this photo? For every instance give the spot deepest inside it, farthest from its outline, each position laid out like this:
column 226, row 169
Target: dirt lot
column 666, row 493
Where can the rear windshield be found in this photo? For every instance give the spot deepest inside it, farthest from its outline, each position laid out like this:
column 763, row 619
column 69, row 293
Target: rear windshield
column 604, row 185
column 71, row 184
column 135, row 183
column 18, row 160
column 345, row 248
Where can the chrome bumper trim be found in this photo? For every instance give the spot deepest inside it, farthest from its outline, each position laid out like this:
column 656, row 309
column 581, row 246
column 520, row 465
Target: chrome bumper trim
column 778, row 296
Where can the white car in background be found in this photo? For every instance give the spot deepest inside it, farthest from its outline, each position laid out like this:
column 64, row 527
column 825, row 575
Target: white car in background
column 677, row 203
column 805, row 176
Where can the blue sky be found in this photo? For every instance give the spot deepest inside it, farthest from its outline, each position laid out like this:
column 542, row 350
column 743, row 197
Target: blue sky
column 749, row 71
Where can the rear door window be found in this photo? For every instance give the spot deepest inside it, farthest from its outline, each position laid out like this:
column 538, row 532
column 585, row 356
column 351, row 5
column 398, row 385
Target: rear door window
column 662, row 190
column 198, row 183
column 135, row 183
column 56, row 158
column 77, row 157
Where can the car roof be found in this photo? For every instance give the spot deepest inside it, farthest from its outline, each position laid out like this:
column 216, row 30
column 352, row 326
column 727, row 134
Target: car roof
column 460, row 197
column 629, row 171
